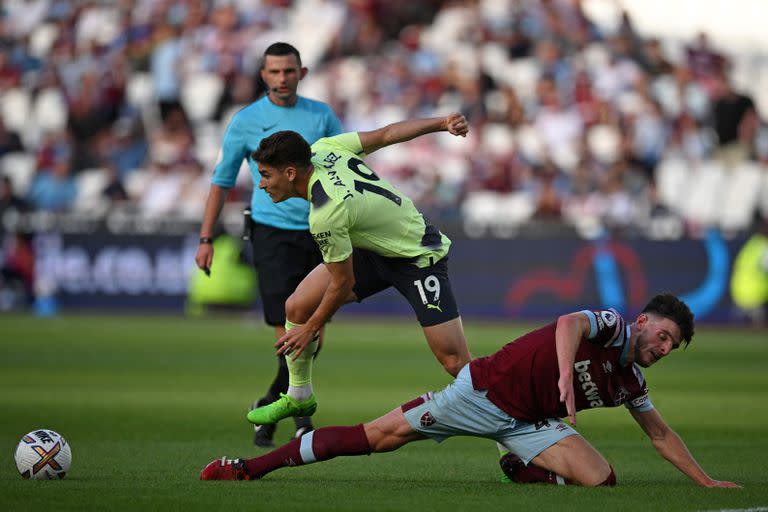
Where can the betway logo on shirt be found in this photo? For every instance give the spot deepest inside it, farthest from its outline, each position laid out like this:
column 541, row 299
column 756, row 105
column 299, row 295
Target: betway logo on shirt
column 587, row 384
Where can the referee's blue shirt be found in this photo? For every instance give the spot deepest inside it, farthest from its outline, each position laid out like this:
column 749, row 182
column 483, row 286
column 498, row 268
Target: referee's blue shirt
column 311, row 119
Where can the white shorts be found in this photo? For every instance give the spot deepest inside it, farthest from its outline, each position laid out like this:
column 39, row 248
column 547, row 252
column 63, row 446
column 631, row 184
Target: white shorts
column 461, row 410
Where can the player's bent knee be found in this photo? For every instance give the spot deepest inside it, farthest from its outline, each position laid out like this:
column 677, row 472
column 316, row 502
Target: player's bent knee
column 296, row 310
column 611, row 480
column 604, row 478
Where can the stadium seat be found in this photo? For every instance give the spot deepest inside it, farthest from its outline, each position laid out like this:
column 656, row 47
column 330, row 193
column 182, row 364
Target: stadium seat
column 136, row 183
column 630, row 103
column 20, row 168
column 140, row 90
column 499, row 214
column 90, row 187
column 453, row 170
column 313, row 25
column 530, row 144
column 494, row 59
column 741, row 196
column 42, row 38
column 497, row 139
column 603, row 142
column 49, row 110
column 349, row 84
column 672, row 177
column 596, row 56
column 523, row 75
column 702, row 195
column 479, row 211
column 664, row 90
column 565, row 157
column 15, row 107
column 496, row 103
column 761, row 91
column 200, row 94
column 513, row 210
column 207, row 142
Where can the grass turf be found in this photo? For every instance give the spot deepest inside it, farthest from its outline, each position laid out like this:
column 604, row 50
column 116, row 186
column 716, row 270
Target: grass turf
column 146, row 402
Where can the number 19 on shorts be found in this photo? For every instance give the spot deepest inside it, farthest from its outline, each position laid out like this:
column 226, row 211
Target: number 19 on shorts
column 431, row 285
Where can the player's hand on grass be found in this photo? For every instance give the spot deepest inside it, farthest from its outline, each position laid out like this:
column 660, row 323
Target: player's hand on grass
column 295, row 341
column 565, row 383
column 723, row 484
column 456, row 124
column 204, row 257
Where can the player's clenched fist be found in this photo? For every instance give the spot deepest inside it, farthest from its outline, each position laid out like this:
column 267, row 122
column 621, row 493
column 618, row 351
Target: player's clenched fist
column 456, row 124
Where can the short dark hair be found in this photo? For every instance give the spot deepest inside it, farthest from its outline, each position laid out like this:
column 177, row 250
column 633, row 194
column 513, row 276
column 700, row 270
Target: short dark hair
column 669, row 306
column 283, row 149
column 280, row 50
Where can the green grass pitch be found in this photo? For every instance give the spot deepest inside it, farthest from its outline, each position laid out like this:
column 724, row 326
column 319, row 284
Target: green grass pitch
column 146, row 402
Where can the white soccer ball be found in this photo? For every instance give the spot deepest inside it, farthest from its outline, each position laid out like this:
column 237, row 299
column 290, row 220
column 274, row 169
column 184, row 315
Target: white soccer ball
column 43, row 455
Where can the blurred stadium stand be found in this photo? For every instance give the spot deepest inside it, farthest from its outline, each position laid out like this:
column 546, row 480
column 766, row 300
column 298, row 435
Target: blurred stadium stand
column 594, row 126
column 582, row 125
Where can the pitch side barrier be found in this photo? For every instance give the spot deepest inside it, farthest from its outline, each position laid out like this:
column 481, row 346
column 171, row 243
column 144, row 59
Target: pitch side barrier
column 517, row 278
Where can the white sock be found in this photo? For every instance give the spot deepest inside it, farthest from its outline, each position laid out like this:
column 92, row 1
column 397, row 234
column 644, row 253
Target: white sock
column 300, row 393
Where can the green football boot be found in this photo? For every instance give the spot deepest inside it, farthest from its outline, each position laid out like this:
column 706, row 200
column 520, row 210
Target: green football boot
column 283, row 407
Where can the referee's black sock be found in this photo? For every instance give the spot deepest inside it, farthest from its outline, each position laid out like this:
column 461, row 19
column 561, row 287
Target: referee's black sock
column 280, row 384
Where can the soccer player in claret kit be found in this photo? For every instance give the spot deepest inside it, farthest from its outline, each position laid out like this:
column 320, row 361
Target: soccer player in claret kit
column 371, row 237
column 587, row 359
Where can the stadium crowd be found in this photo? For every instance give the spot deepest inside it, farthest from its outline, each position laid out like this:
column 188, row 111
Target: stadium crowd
column 122, row 105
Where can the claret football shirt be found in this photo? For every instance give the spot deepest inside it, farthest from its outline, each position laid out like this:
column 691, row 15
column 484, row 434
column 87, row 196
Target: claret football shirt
column 521, row 378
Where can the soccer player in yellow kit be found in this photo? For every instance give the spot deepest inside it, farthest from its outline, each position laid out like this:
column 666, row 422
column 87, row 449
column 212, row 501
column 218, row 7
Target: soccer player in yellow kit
column 371, row 237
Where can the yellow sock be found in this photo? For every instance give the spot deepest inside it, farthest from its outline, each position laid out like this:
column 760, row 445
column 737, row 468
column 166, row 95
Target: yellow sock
column 300, row 370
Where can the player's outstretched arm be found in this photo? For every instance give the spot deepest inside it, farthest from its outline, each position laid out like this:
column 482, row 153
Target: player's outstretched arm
column 671, row 447
column 571, row 329
column 455, row 124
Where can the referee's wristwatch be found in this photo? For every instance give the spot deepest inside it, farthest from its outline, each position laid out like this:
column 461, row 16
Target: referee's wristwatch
column 206, row 240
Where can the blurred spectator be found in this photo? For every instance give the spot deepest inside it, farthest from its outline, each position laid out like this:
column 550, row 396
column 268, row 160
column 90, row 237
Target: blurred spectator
column 735, row 122
column 549, row 192
column 648, row 134
column 114, row 191
column 17, row 271
column 705, row 63
column 690, row 140
column 91, row 110
column 653, row 60
column 10, row 73
column 558, row 125
column 165, row 65
column 171, row 143
column 53, row 188
column 173, row 168
column 240, row 91
column 8, row 199
column 124, row 147
column 9, row 140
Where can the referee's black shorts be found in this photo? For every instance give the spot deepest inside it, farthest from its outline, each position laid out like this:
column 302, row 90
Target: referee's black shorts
column 282, row 258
